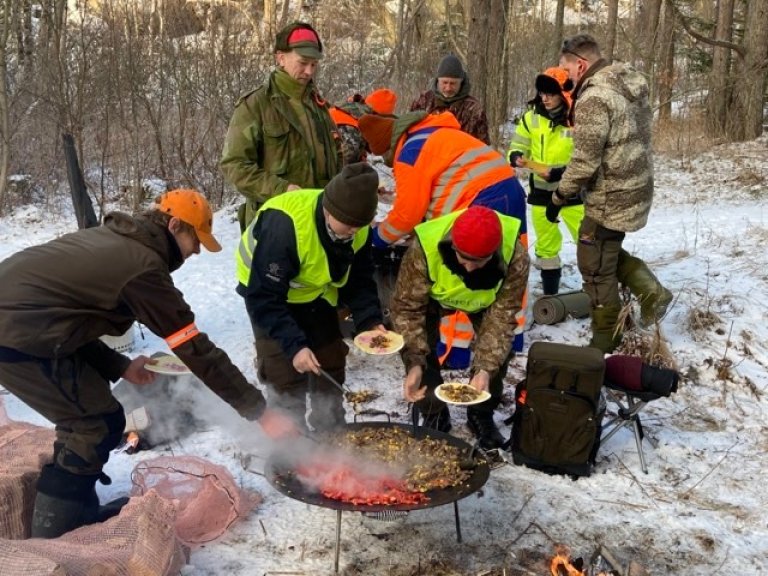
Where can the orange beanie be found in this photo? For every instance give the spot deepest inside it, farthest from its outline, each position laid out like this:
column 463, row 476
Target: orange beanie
column 382, row 101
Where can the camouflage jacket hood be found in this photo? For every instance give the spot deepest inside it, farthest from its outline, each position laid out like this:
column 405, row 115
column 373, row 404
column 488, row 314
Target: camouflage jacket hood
column 612, row 162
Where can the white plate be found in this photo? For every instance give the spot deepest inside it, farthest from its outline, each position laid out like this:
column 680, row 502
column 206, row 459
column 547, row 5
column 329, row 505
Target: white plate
column 168, row 365
column 440, row 393
column 363, row 341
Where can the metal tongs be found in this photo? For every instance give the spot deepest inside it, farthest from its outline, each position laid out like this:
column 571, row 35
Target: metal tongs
column 347, row 392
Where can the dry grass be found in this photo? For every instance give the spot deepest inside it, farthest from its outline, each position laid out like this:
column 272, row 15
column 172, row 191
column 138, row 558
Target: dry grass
column 682, row 137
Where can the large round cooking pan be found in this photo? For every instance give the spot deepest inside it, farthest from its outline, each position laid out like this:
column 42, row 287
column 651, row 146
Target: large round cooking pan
column 279, row 472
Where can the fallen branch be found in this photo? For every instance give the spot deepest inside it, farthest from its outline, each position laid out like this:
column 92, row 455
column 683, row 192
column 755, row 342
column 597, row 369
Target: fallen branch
column 685, row 495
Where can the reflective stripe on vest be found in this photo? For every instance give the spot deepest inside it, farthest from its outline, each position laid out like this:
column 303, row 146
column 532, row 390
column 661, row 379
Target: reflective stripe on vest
column 314, row 278
column 456, row 331
column 447, row 288
column 550, row 146
column 449, row 190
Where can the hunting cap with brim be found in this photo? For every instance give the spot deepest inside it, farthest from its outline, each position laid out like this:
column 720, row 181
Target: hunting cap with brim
column 301, row 38
column 191, row 207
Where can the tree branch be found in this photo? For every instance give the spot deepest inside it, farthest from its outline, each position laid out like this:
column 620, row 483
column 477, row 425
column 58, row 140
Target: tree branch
column 680, row 17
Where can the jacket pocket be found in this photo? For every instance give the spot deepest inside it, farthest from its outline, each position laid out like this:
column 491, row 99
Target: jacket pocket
column 276, row 148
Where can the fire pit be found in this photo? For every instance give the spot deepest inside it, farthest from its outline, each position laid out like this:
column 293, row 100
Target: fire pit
column 285, row 475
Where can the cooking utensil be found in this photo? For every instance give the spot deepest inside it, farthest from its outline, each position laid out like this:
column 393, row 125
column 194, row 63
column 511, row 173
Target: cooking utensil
column 344, row 389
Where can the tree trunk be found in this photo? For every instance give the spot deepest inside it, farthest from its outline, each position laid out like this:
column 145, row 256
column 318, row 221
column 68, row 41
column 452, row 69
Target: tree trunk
column 648, row 40
column 557, row 34
column 5, row 132
column 746, row 113
column 666, row 76
column 613, row 18
column 720, row 77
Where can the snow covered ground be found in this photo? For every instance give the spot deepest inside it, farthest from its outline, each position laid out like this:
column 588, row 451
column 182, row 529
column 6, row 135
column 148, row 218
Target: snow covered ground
column 701, row 509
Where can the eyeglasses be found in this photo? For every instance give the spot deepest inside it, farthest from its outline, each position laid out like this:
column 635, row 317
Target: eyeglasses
column 565, row 50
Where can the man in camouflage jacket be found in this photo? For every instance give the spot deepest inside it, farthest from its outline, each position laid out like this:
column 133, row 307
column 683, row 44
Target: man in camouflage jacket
column 612, row 168
column 450, row 91
column 472, row 263
column 281, row 136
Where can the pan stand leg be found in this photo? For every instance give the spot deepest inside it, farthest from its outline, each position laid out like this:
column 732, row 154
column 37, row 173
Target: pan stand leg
column 338, row 542
column 458, row 520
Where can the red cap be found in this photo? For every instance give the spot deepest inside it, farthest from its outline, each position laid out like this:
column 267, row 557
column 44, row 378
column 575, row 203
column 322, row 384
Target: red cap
column 477, row 232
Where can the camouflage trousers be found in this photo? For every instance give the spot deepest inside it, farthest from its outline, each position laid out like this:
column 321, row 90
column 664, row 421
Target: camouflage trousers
column 77, row 399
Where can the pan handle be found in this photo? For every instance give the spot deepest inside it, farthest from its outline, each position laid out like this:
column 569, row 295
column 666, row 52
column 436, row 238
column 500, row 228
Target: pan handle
column 372, row 412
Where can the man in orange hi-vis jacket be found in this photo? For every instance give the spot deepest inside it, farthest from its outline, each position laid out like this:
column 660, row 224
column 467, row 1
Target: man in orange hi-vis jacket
column 439, row 169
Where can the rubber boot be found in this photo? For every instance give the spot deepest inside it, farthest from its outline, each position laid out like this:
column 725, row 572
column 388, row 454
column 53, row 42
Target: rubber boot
column 604, row 336
column 63, row 502
column 652, row 295
column 550, row 281
column 480, row 422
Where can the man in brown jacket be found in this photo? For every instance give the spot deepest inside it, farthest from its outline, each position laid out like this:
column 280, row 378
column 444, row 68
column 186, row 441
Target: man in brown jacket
column 460, row 286
column 612, row 169
column 57, row 299
column 450, row 91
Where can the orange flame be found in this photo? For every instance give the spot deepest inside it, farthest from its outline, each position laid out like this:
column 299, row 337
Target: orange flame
column 561, row 564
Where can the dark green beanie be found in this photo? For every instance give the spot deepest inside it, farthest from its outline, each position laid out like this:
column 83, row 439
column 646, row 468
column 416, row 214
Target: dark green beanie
column 352, row 195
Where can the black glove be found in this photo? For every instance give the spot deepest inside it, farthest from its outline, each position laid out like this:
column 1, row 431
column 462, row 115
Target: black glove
column 553, row 210
column 555, row 174
column 513, row 156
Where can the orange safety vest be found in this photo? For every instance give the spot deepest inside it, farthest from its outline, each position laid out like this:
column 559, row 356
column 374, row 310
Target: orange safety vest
column 438, row 169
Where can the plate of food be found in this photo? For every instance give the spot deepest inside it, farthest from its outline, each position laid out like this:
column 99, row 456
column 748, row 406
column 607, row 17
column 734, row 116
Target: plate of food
column 460, row 394
column 377, row 342
column 169, row 365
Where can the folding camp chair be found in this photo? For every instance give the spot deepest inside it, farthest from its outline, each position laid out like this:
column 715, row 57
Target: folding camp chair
column 631, row 385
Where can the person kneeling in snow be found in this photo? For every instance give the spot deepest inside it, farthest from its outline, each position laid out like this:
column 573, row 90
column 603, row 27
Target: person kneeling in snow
column 461, row 283
column 57, row 299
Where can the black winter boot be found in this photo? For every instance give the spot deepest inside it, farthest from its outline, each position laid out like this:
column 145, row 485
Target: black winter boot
column 63, row 502
column 550, row 281
column 480, row 422
column 440, row 421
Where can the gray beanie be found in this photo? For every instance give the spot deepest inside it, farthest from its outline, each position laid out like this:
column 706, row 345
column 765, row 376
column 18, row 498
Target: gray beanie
column 450, row 67
column 352, row 195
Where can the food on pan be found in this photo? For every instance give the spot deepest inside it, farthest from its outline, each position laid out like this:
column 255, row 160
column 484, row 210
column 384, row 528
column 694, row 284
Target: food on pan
column 400, row 468
column 361, row 396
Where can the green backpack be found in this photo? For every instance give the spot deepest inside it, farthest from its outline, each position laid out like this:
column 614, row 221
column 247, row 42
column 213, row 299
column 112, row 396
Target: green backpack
column 558, row 409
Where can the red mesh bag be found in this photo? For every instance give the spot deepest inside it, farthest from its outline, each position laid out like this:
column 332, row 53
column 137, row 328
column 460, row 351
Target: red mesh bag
column 140, row 541
column 206, row 495
column 24, row 449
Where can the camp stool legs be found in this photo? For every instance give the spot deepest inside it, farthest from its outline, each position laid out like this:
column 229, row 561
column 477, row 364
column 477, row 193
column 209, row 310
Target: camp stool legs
column 630, row 404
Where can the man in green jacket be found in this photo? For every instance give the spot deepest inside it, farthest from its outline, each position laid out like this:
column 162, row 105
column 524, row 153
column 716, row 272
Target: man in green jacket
column 57, row 299
column 281, row 136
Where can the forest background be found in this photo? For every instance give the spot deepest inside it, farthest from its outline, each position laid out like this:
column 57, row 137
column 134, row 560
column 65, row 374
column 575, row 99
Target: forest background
column 146, row 87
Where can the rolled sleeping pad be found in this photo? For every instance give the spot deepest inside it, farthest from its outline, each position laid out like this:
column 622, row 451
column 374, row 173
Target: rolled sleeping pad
column 558, row 307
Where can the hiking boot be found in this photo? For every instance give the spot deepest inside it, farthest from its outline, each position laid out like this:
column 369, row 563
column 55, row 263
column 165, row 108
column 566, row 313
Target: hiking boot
column 550, row 281
column 481, row 424
column 440, row 421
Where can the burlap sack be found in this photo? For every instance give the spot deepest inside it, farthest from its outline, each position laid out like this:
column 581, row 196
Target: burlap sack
column 24, row 450
column 141, row 541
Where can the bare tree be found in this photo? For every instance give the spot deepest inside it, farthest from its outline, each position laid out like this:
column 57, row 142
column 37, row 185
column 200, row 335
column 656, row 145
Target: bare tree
column 557, row 35
column 613, row 19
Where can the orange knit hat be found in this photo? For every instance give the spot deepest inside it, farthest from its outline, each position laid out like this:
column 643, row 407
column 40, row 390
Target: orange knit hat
column 382, row 101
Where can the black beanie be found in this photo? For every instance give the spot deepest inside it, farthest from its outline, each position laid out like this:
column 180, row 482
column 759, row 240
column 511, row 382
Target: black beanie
column 450, row 67
column 352, row 195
